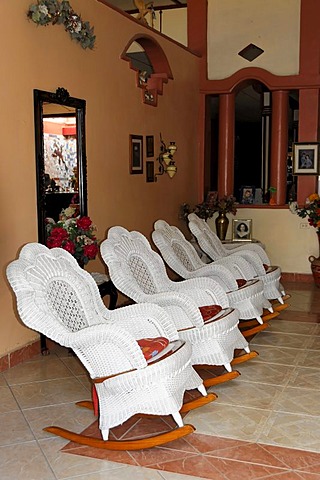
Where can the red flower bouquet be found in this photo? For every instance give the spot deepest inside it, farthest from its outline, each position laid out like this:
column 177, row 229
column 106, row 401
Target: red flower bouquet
column 312, row 211
column 74, row 234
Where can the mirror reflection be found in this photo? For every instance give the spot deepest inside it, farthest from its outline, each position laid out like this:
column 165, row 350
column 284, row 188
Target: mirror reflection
column 60, row 159
column 60, row 155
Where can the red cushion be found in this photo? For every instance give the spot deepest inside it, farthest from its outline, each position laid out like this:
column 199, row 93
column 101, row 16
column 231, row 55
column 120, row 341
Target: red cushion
column 241, row 282
column 152, row 346
column 209, row 311
column 266, row 267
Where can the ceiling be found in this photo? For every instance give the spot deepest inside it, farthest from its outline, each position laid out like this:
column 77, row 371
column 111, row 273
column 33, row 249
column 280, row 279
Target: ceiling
column 130, row 7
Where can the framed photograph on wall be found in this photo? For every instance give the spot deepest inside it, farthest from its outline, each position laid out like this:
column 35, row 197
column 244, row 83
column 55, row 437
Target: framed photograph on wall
column 136, row 154
column 150, row 145
column 149, row 171
column 306, row 158
column 241, row 230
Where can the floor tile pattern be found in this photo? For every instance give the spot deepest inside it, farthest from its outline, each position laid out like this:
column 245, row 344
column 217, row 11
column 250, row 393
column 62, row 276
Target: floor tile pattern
column 265, row 424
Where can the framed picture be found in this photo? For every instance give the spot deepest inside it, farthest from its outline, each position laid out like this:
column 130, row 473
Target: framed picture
column 136, row 154
column 306, row 158
column 241, row 230
column 247, row 194
column 212, row 197
column 150, row 145
column 149, row 171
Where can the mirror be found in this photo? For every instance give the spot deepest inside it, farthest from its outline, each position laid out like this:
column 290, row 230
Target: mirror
column 60, row 155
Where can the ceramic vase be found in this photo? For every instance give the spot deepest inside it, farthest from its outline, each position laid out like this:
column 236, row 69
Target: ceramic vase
column 315, row 266
column 222, row 223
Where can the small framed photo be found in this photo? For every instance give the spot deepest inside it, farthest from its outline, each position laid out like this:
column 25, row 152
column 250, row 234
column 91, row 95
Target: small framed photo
column 136, row 154
column 241, row 230
column 306, row 158
column 247, row 194
column 149, row 171
column 150, row 145
column 212, row 197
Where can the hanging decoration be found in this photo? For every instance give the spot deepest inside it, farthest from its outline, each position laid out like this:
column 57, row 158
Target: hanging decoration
column 45, row 12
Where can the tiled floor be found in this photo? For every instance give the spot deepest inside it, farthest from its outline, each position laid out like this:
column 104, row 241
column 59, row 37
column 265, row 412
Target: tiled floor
column 265, row 424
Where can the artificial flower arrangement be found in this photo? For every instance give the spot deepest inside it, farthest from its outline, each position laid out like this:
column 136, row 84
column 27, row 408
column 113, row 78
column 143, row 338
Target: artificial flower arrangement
column 73, row 233
column 54, row 11
column 206, row 209
column 312, row 211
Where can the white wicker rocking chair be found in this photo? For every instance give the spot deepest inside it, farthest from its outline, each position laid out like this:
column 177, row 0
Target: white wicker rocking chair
column 256, row 257
column 61, row 300
column 182, row 258
column 140, row 273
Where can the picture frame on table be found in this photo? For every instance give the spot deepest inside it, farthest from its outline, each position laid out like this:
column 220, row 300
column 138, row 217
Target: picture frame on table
column 242, row 230
column 212, row 197
column 305, row 158
column 247, row 194
column 135, row 154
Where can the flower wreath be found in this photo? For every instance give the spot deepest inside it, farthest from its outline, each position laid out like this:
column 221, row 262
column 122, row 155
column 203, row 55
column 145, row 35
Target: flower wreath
column 55, row 11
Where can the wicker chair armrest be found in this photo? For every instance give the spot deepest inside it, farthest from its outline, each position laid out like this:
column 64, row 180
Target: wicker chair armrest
column 209, row 285
column 181, row 301
column 238, row 265
column 252, row 258
column 144, row 320
column 219, row 273
column 252, row 247
column 95, row 345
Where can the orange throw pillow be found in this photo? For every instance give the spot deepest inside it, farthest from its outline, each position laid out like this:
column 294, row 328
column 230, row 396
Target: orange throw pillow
column 152, row 346
column 209, row 311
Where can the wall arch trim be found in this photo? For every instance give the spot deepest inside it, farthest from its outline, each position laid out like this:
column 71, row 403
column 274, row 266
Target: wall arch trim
column 162, row 72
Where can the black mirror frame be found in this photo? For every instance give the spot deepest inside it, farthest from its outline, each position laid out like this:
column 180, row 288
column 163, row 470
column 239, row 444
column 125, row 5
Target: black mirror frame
column 60, row 97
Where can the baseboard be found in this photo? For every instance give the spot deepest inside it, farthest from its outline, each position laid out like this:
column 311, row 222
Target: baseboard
column 18, row 356
column 297, row 277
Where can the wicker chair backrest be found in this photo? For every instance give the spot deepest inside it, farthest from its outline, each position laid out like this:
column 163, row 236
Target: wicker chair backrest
column 57, row 287
column 178, row 253
column 133, row 265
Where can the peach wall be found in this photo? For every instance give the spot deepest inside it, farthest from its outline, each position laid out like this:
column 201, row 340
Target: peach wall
column 273, row 26
column 46, row 58
column 288, row 239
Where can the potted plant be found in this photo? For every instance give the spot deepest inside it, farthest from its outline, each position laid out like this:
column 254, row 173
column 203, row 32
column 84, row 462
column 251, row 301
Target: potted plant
column 311, row 210
column 206, row 209
column 272, row 200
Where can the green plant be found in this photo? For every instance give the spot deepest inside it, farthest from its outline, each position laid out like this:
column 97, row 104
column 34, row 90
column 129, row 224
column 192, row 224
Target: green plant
column 206, row 209
column 45, row 12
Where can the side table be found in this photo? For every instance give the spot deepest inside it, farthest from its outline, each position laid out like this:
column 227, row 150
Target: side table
column 237, row 243
column 106, row 287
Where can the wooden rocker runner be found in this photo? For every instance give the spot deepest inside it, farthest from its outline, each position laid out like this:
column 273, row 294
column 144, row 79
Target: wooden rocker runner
column 133, row 354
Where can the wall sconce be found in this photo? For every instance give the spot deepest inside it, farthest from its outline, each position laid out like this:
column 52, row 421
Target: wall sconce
column 165, row 159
